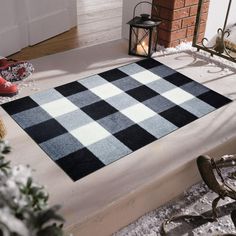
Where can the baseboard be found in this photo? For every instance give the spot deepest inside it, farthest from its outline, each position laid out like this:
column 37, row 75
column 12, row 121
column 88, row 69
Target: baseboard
column 10, row 41
column 47, row 26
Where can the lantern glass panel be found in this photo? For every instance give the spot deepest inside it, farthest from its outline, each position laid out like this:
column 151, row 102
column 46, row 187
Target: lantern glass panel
column 134, row 39
column 140, row 41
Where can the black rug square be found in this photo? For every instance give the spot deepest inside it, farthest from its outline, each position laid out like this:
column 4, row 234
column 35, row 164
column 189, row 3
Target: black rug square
column 99, row 110
column 178, row 79
column 20, row 105
column 142, row 93
column 40, row 133
column 113, row 75
column 183, row 118
column 71, row 88
column 135, row 137
column 213, row 98
column 80, row 163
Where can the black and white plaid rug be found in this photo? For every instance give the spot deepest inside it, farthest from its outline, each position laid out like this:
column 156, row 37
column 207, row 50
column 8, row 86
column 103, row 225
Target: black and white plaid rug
column 90, row 123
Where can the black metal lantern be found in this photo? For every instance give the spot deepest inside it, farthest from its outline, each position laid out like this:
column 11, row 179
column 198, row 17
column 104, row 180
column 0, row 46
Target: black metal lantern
column 143, row 33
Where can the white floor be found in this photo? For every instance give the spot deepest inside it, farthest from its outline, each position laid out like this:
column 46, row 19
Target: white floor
column 116, row 195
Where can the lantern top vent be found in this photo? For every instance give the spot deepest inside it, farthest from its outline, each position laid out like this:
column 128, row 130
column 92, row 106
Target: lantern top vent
column 144, row 20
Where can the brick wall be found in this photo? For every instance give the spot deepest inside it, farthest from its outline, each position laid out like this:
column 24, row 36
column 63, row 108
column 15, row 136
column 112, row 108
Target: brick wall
column 179, row 17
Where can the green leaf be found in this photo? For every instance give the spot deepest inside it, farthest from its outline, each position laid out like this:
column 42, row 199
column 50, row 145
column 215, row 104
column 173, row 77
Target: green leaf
column 49, row 215
column 51, row 230
column 29, row 182
column 4, row 165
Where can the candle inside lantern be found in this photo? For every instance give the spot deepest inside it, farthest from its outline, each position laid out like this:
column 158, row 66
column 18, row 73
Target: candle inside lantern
column 142, row 49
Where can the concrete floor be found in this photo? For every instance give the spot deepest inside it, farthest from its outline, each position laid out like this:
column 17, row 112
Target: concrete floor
column 195, row 201
column 118, row 194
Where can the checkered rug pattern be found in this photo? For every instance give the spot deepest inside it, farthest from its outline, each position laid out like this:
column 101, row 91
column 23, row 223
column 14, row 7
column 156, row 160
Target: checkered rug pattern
column 88, row 124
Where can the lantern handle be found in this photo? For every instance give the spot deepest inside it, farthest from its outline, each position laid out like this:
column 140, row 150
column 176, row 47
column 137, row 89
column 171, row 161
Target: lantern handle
column 153, row 6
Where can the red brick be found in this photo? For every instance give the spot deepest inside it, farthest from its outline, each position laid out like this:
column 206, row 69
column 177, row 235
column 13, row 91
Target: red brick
column 163, row 3
column 165, row 25
column 188, row 39
column 202, row 28
column 178, row 34
column 200, row 37
column 193, row 10
column 168, row 44
column 191, row 2
column 205, row 7
column 163, row 42
column 181, row 13
column 174, row 43
column 189, row 21
column 190, row 31
column 171, row 36
column 170, row 4
column 171, row 25
column 179, row 4
column 176, row 25
column 165, row 13
column 204, row 17
column 164, row 35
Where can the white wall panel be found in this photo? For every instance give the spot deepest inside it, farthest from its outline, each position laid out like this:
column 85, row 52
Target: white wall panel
column 47, row 18
column 27, row 22
column 216, row 16
column 39, row 8
column 9, row 33
column 72, row 7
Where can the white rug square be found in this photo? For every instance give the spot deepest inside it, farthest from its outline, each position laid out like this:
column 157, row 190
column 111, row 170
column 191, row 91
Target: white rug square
column 106, row 90
column 177, row 95
column 138, row 112
column 59, row 107
column 90, row 133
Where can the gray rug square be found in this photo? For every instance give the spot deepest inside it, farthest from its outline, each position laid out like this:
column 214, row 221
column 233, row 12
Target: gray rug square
column 61, row 146
column 109, row 149
column 131, row 69
column 31, row 117
column 121, row 101
column 74, row 119
column 160, row 86
column 84, row 98
column 126, row 83
column 159, row 104
column 92, row 81
column 162, row 70
column 197, row 107
column 115, row 122
column 195, row 88
column 46, row 96
column 158, row 126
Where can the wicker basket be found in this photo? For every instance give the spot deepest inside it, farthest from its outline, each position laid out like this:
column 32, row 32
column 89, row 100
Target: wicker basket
column 2, row 129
